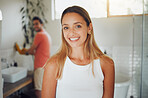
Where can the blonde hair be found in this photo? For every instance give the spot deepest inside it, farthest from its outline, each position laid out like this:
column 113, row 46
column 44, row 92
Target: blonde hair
column 91, row 49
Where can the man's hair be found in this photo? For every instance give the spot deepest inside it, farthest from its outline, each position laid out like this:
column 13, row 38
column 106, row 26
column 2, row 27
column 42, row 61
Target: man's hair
column 37, row 18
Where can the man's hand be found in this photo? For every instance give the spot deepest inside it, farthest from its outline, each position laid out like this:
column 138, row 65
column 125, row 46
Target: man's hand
column 17, row 47
column 23, row 51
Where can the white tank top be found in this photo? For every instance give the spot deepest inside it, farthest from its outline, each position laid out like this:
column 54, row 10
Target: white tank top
column 79, row 82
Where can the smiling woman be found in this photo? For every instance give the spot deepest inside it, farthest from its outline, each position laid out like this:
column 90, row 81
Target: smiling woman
column 79, row 69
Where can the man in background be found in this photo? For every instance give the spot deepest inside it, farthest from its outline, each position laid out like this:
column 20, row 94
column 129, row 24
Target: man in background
column 41, row 51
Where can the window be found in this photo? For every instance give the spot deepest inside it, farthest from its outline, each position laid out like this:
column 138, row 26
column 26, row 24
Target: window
column 102, row 8
column 145, row 6
column 95, row 8
column 125, row 7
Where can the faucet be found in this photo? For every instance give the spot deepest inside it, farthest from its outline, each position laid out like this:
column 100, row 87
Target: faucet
column 105, row 52
column 4, row 60
column 7, row 65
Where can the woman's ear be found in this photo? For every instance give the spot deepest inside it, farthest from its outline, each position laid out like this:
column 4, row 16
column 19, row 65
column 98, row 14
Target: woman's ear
column 90, row 28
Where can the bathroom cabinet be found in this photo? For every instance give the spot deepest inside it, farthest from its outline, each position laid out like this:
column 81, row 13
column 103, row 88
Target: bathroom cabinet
column 10, row 88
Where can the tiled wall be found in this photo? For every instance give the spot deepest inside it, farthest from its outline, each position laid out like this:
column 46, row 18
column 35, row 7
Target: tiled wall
column 145, row 59
column 128, row 62
column 11, row 55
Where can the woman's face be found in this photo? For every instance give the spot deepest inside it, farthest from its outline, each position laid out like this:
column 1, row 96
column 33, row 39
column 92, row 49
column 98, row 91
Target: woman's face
column 74, row 29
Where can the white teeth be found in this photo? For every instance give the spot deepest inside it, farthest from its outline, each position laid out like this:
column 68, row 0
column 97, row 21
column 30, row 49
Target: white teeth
column 73, row 39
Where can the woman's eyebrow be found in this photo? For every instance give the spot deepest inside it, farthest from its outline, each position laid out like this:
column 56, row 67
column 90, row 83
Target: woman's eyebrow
column 64, row 24
column 77, row 23
column 74, row 23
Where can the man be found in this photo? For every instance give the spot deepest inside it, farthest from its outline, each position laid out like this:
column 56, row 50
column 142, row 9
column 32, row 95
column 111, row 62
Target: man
column 41, row 50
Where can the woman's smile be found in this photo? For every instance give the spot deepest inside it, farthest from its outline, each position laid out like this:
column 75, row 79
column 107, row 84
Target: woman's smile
column 74, row 39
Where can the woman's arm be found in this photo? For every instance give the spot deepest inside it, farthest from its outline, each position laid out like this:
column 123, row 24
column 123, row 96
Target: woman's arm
column 49, row 80
column 107, row 65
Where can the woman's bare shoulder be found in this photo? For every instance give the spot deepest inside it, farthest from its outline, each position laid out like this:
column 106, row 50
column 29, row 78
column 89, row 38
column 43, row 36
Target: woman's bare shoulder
column 52, row 63
column 106, row 59
column 106, row 62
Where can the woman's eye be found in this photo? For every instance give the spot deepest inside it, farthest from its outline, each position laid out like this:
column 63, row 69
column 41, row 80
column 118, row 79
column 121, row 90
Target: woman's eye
column 78, row 26
column 65, row 28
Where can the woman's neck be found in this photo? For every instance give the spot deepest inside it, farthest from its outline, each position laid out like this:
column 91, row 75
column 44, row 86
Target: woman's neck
column 78, row 53
column 78, row 56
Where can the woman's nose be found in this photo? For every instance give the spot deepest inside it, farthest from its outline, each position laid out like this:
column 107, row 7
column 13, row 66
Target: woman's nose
column 72, row 31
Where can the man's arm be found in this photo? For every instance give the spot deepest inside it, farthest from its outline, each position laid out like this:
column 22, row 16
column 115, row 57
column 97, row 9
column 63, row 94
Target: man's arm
column 31, row 50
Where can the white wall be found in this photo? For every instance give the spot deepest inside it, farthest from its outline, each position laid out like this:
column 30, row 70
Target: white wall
column 12, row 32
column 145, row 59
column 11, row 27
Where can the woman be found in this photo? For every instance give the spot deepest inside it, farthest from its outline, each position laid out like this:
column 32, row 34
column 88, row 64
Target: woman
column 79, row 69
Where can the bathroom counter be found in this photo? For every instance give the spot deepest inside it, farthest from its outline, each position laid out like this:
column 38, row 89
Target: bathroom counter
column 10, row 88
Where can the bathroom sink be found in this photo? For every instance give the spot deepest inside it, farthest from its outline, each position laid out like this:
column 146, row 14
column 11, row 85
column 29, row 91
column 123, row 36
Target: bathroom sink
column 14, row 74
